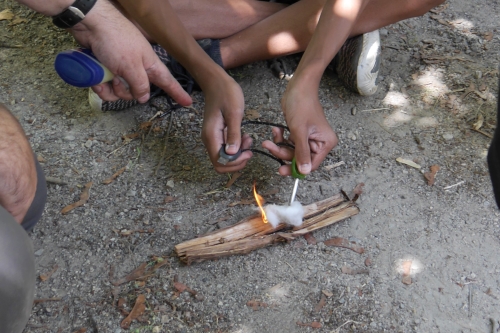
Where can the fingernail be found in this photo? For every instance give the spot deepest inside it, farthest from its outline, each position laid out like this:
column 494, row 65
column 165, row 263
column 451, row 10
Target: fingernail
column 305, row 168
column 231, row 149
column 143, row 99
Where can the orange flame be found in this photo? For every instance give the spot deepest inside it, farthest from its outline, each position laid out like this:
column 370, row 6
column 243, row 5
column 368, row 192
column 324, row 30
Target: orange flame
column 260, row 201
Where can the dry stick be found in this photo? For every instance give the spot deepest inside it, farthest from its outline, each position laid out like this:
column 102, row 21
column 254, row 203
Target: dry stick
column 380, row 109
column 482, row 132
column 167, row 135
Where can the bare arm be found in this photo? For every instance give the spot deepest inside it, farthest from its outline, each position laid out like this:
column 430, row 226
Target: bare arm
column 18, row 177
column 224, row 103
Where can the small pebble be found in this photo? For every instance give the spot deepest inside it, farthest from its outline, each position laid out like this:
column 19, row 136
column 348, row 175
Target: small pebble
column 89, row 143
column 170, row 183
column 354, row 111
column 69, row 138
column 39, row 252
column 448, row 136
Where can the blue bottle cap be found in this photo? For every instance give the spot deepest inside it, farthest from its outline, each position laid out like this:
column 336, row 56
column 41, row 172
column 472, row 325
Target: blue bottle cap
column 79, row 69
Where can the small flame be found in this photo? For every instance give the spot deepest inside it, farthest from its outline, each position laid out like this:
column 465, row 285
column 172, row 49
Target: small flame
column 259, row 200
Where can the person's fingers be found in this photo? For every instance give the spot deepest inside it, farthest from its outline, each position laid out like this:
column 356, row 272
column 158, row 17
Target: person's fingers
column 278, row 134
column 160, row 76
column 239, row 164
column 233, row 123
column 302, row 149
column 121, row 88
column 105, row 92
column 281, row 152
column 135, row 75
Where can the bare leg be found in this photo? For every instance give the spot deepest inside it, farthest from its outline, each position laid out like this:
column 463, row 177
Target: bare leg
column 289, row 30
column 218, row 18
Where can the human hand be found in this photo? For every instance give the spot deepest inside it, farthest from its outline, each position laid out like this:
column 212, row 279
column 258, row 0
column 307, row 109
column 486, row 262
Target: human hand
column 122, row 48
column 224, row 109
column 310, row 132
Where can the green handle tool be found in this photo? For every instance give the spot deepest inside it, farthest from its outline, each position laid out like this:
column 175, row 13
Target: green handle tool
column 297, row 175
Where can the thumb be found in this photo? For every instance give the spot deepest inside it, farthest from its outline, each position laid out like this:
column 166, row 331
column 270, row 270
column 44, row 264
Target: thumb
column 302, row 152
column 233, row 141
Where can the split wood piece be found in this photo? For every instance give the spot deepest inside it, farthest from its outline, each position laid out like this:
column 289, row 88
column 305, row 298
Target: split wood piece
column 252, row 234
column 251, row 226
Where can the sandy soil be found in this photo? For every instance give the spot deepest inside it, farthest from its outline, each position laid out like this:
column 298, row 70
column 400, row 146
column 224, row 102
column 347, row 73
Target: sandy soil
column 440, row 75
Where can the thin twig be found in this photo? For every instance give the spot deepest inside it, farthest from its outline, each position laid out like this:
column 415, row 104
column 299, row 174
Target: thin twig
column 380, row 109
column 459, row 183
column 483, row 133
column 167, row 135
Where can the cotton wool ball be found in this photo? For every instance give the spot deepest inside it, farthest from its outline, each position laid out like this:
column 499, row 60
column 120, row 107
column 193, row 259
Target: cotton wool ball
column 292, row 214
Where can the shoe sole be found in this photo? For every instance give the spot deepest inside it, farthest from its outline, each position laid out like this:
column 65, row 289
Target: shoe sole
column 369, row 64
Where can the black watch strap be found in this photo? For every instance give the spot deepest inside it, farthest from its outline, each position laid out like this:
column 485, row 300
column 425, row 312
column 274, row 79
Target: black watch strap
column 73, row 14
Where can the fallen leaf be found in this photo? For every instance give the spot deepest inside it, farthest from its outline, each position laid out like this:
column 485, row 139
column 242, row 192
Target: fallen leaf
column 234, row 177
column 368, row 262
column 131, row 136
column 479, row 123
column 327, row 293
column 252, row 114
column 81, row 330
column 137, row 310
column 180, row 286
column 321, row 304
column 342, row 242
column 354, row 271
column 145, row 125
column 40, row 159
column 408, row 162
column 83, row 199
column 314, row 324
column 488, row 36
column 46, row 276
column 121, row 306
column 6, row 14
column 431, row 175
column 18, row 20
column 358, row 189
column 114, row 176
column 143, row 271
column 169, row 199
column 406, row 280
column 310, row 239
column 254, row 304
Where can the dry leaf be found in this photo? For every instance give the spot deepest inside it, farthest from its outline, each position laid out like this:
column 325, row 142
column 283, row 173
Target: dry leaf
column 431, row 176
column 408, row 162
column 40, row 158
column 46, row 276
column 145, row 125
column 137, row 310
column 83, row 199
column 6, row 14
column 234, row 177
column 368, row 262
column 252, row 114
column 406, row 280
column 114, row 176
column 314, row 324
column 327, row 293
column 142, row 272
column 256, row 304
column 18, row 20
column 131, row 136
column 488, row 36
column 310, row 239
column 81, row 330
column 321, row 304
column 180, row 286
column 342, row 242
column 169, row 199
column 479, row 123
column 121, row 306
column 354, row 271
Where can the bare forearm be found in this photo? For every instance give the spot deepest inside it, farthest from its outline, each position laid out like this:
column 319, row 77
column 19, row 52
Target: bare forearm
column 49, row 8
column 334, row 26
column 18, row 177
column 161, row 23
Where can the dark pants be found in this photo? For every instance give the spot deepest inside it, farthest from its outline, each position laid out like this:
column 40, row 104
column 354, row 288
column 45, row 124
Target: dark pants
column 494, row 155
column 17, row 262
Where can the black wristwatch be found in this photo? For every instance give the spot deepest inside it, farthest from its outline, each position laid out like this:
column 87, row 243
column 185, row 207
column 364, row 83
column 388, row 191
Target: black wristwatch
column 73, row 14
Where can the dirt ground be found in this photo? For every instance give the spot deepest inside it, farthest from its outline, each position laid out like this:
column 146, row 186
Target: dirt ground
column 439, row 78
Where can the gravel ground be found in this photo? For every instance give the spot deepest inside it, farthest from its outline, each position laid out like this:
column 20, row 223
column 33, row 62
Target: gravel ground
column 439, row 76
